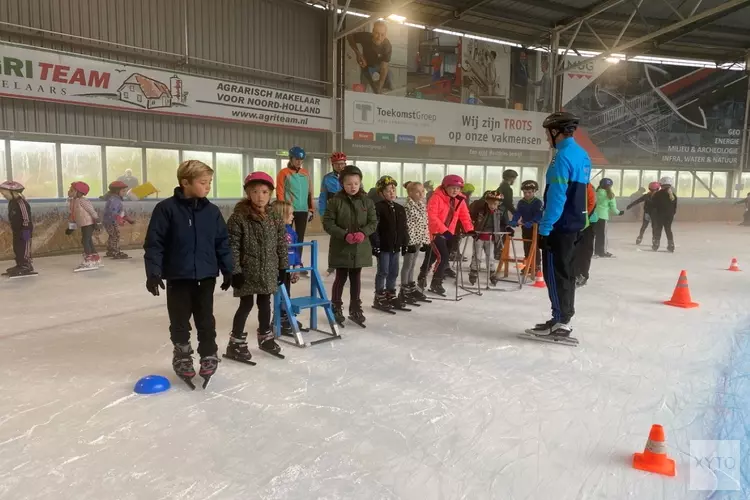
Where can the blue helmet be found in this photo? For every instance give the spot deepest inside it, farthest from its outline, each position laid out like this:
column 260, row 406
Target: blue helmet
column 297, row 152
column 606, row 182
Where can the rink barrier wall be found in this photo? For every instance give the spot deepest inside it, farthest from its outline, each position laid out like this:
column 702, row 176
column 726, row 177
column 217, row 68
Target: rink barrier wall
column 50, row 223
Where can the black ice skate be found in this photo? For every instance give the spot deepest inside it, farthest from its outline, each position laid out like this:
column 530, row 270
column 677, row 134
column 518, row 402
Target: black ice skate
column 473, row 276
column 395, row 302
column 338, row 314
column 417, row 293
column 638, row 240
column 381, row 303
column 209, row 364
column 436, row 287
column 450, row 273
column 120, row 256
column 356, row 315
column 110, row 254
column 581, row 281
column 286, row 326
column 237, row 350
column 552, row 332
column 406, row 297
column 21, row 272
column 182, row 363
column 267, row 343
column 655, row 245
column 670, row 246
column 422, row 281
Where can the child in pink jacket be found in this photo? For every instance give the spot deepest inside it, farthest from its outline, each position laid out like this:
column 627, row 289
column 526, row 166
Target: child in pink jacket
column 83, row 216
column 445, row 209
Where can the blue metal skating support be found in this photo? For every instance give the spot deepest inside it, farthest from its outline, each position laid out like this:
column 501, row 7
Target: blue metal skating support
column 293, row 306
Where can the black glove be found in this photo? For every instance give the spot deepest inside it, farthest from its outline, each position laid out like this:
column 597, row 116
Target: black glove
column 226, row 282
column 238, row 280
column 510, row 229
column 153, row 283
column 411, row 249
column 375, row 251
column 622, row 212
column 282, row 276
column 424, row 248
column 310, row 216
column 403, row 250
column 68, row 232
column 543, row 242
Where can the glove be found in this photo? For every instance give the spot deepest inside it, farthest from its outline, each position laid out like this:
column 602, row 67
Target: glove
column 622, row 212
column 351, row 238
column 510, row 229
column 514, row 223
column 153, row 283
column 527, row 225
column 360, row 237
column 282, row 276
column 26, row 234
column 424, row 248
column 411, row 249
column 310, row 216
column 543, row 242
column 226, row 282
column 375, row 251
column 295, row 277
column 69, row 231
column 238, row 280
column 447, row 235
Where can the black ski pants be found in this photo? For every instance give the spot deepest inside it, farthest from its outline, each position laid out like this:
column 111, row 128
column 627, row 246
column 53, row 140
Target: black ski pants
column 657, row 225
column 186, row 298
column 600, row 237
column 355, row 284
column 644, row 225
column 557, row 256
column 243, row 312
column 584, row 252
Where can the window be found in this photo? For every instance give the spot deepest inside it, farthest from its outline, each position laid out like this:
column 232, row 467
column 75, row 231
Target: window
column 413, row 173
column 685, row 184
column 125, row 94
column 434, row 173
column 702, row 183
column 649, row 176
column 122, row 160
column 267, row 165
column 228, row 175
column 745, row 181
column 530, row 174
column 630, row 182
column 319, row 171
column 369, row 174
column 206, row 157
column 394, row 170
column 82, row 163
column 139, row 98
column 475, row 175
column 494, row 177
column 34, row 166
column 457, row 170
column 3, row 169
column 719, row 184
column 161, row 167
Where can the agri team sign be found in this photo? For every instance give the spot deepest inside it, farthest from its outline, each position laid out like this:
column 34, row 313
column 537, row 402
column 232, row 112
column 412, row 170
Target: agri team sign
column 382, row 125
column 28, row 73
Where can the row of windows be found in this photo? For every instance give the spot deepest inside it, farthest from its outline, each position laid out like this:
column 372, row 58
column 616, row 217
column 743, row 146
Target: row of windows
column 46, row 169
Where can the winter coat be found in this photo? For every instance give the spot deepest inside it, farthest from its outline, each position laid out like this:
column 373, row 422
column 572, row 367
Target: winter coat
column 663, row 205
column 19, row 215
column 646, row 199
column 565, row 193
column 187, row 240
column 480, row 212
column 294, row 253
column 444, row 212
column 259, row 249
column 507, row 201
column 392, row 233
column 294, row 186
column 82, row 212
column 329, row 186
column 349, row 214
column 416, row 223
column 113, row 210
column 530, row 211
column 605, row 205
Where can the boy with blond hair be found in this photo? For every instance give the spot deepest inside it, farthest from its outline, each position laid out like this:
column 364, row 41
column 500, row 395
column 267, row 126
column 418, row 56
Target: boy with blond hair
column 187, row 245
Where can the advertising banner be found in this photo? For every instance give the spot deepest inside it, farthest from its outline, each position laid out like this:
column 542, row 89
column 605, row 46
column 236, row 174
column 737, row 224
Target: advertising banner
column 29, row 73
column 381, row 125
column 660, row 116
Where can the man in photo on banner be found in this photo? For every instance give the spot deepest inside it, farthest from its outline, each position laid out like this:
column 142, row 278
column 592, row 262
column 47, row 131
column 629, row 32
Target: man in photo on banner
column 374, row 57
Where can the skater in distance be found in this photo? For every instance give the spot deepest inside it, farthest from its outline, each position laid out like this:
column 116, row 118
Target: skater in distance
column 606, row 204
column 647, row 200
column 529, row 212
column 83, row 216
column 663, row 210
column 22, row 227
column 114, row 217
column 488, row 217
column 293, row 184
column 187, row 245
column 419, row 241
column 564, row 217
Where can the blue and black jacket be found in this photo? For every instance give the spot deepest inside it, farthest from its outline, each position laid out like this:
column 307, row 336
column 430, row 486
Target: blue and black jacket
column 565, row 202
column 187, row 239
column 329, row 186
column 528, row 210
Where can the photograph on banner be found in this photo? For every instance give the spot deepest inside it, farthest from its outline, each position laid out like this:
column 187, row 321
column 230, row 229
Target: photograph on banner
column 394, row 59
column 634, row 113
column 38, row 74
column 393, row 126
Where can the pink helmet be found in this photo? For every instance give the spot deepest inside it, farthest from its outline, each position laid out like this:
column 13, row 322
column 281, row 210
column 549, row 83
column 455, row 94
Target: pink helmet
column 81, row 187
column 12, row 186
column 452, row 180
column 654, row 186
column 258, row 177
column 338, row 156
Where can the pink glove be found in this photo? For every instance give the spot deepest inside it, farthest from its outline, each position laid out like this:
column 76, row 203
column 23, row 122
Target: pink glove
column 351, row 238
column 360, row 237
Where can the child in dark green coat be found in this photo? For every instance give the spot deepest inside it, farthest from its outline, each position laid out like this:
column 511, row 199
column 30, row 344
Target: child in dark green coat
column 257, row 238
column 350, row 219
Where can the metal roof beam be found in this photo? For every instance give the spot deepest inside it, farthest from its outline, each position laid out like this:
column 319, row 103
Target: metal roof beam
column 392, row 10
column 594, row 11
column 710, row 14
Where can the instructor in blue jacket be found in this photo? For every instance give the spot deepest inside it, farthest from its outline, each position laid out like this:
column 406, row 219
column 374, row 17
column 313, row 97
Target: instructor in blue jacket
column 565, row 216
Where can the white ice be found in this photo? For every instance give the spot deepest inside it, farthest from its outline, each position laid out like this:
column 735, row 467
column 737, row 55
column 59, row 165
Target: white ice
column 444, row 402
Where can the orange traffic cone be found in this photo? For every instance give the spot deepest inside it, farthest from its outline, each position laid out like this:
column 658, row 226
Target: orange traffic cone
column 681, row 295
column 654, row 457
column 734, row 266
column 539, row 281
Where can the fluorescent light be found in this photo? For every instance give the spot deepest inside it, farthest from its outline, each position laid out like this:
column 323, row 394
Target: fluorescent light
column 396, row 18
column 447, row 32
column 415, row 26
column 357, row 14
column 612, row 60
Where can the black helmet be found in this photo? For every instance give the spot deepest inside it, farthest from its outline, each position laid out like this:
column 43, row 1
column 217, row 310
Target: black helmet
column 606, row 182
column 529, row 185
column 510, row 174
column 349, row 170
column 562, row 121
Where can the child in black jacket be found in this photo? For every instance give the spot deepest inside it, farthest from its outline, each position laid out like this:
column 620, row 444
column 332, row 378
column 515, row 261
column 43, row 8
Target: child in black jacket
column 663, row 210
column 187, row 244
column 647, row 200
column 388, row 242
column 19, row 215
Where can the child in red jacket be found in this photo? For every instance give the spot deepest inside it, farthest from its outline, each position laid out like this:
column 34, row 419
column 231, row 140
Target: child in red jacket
column 445, row 209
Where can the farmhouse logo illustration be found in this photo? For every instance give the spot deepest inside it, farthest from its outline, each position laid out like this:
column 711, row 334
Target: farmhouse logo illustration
column 147, row 93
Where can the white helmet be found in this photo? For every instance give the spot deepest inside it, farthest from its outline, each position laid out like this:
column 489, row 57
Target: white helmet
column 666, row 181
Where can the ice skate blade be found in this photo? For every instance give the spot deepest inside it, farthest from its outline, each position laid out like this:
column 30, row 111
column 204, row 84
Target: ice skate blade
column 188, row 381
column 383, row 309
column 274, row 354
column 30, row 275
column 206, row 380
column 569, row 341
column 85, row 269
column 405, row 309
column 243, row 361
column 361, row 325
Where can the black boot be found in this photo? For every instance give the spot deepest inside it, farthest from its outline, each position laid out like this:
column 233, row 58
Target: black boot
column 422, row 281
column 450, row 273
column 237, row 349
column 267, row 343
column 338, row 313
column 356, row 314
column 670, row 246
column 405, row 295
column 382, row 302
column 436, row 286
column 209, row 364
column 417, row 293
column 638, row 240
column 182, row 363
column 655, row 245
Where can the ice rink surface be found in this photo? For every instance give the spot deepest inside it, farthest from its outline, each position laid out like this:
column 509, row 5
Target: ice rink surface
column 444, row 402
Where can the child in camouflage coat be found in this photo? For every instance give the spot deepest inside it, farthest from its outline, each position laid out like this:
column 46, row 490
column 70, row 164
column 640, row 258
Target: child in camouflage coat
column 257, row 238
